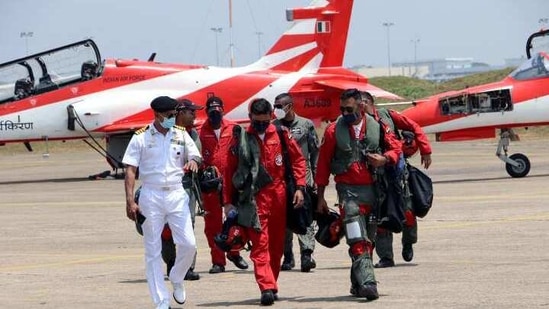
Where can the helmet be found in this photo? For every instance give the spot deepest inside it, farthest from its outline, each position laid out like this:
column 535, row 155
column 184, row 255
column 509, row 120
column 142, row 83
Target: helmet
column 330, row 229
column 409, row 146
column 210, row 180
column 233, row 236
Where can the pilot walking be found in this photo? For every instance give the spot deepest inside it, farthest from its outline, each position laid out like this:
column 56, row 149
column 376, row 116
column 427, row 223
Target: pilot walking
column 258, row 192
column 186, row 114
column 352, row 150
column 163, row 153
column 303, row 132
column 216, row 137
column 384, row 238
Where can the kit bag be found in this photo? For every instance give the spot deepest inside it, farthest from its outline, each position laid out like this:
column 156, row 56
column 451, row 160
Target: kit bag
column 297, row 219
column 421, row 191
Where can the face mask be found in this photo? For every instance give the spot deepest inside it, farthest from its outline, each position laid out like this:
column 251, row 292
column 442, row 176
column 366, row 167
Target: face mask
column 167, row 123
column 279, row 113
column 215, row 118
column 260, row 126
column 351, row 118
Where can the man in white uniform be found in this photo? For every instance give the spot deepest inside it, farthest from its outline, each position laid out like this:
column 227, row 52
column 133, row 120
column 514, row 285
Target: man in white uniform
column 163, row 153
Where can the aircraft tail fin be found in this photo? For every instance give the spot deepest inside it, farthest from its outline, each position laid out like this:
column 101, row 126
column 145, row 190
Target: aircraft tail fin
column 317, row 37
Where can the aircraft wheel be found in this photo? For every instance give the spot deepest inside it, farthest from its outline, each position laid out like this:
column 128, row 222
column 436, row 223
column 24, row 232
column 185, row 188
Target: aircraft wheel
column 521, row 170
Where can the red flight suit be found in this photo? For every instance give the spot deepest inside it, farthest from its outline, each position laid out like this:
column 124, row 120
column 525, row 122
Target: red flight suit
column 217, row 153
column 404, row 123
column 358, row 173
column 268, row 244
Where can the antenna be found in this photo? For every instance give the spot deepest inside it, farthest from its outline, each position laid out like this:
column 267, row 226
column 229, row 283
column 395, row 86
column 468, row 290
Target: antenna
column 231, row 45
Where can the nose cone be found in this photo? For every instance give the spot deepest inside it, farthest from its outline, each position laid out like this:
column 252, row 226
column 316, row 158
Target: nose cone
column 424, row 112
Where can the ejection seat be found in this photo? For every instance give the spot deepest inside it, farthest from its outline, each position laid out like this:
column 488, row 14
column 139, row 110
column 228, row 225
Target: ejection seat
column 89, row 70
column 23, row 88
column 45, row 84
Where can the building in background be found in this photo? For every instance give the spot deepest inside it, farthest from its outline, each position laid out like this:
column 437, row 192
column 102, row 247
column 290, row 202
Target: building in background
column 438, row 70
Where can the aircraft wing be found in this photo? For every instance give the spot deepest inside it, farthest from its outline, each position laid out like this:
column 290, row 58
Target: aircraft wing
column 136, row 125
column 346, row 84
column 124, row 127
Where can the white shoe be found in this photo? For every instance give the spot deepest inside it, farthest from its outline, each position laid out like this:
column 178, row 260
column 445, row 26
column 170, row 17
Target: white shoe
column 164, row 304
column 179, row 293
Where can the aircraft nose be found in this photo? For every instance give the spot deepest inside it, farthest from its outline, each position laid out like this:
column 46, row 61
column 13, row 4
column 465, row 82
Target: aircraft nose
column 421, row 113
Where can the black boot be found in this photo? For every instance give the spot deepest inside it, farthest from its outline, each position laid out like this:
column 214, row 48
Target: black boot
column 407, row 252
column 267, row 298
column 288, row 263
column 307, row 261
column 385, row 262
column 369, row 291
column 191, row 275
column 238, row 261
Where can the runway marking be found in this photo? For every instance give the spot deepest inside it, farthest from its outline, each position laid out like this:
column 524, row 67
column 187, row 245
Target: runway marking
column 61, row 203
column 95, row 260
column 72, row 262
column 512, row 195
column 454, row 224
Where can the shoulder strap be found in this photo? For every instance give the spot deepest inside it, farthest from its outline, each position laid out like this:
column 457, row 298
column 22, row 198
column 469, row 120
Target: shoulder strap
column 142, row 130
column 385, row 117
column 285, row 154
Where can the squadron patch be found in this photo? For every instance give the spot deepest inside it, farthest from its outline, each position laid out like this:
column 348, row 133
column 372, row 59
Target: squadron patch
column 278, row 160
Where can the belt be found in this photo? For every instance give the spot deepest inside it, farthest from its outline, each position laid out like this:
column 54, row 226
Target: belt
column 164, row 187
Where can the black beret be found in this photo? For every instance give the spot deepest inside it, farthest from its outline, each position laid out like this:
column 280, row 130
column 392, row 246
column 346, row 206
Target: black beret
column 164, row 104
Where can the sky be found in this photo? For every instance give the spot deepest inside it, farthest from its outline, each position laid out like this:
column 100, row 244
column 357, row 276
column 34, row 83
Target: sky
column 179, row 31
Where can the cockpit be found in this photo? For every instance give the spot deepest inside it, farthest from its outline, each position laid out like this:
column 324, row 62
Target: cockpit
column 50, row 70
column 535, row 67
column 537, row 52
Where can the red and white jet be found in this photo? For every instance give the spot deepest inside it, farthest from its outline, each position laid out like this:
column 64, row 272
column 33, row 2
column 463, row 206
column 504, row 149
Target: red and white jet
column 70, row 93
column 519, row 100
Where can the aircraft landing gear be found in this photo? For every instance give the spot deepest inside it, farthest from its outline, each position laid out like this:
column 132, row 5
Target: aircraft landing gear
column 517, row 165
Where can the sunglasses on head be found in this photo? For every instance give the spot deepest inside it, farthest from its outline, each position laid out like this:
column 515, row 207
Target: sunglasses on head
column 348, row 109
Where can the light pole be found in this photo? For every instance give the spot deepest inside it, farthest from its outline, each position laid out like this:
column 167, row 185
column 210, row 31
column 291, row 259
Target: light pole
column 415, row 41
column 26, row 35
column 216, row 30
column 259, row 34
column 388, row 26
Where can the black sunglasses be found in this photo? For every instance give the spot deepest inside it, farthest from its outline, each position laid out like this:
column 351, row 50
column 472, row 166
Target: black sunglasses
column 348, row 109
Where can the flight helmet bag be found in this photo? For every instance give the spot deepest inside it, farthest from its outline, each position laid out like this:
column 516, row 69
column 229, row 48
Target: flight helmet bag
column 421, row 190
column 211, row 180
column 330, row 229
column 233, row 236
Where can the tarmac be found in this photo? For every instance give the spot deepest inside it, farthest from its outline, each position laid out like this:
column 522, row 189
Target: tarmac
column 65, row 241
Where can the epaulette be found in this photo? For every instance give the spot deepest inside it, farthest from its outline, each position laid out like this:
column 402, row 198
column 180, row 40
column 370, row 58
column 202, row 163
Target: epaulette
column 142, row 130
column 179, row 128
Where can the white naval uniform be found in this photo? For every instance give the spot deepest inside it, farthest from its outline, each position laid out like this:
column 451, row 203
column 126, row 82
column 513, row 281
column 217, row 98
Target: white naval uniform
column 160, row 159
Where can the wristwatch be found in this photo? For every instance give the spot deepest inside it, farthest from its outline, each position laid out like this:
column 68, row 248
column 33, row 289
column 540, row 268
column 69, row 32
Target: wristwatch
column 302, row 188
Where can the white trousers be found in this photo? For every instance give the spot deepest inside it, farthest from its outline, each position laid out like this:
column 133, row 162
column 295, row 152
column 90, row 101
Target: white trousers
column 161, row 206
